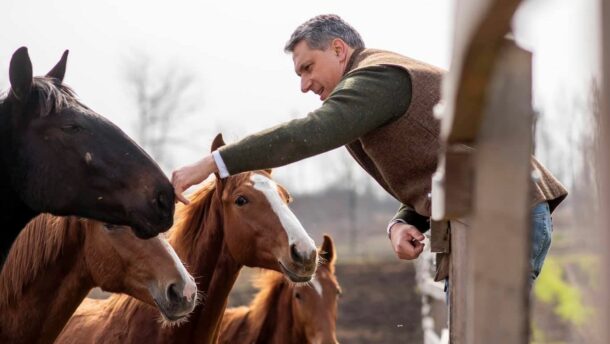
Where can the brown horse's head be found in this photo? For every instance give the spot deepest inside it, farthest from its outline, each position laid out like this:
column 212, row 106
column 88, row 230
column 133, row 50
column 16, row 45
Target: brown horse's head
column 260, row 229
column 148, row 270
column 314, row 305
column 59, row 156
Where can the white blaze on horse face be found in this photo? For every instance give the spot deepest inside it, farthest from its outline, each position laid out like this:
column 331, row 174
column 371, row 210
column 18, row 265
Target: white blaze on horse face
column 317, row 286
column 190, row 287
column 293, row 227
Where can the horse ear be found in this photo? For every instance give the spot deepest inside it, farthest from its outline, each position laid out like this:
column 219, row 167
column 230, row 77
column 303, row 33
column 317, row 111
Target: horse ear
column 20, row 74
column 218, row 142
column 327, row 251
column 269, row 170
column 59, row 71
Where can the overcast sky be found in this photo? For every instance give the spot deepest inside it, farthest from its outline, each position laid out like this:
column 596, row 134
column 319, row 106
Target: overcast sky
column 234, row 48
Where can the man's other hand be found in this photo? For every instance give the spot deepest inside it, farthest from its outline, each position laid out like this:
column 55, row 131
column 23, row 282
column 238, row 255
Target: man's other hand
column 406, row 241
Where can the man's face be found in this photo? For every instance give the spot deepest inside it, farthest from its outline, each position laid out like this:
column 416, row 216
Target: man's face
column 320, row 70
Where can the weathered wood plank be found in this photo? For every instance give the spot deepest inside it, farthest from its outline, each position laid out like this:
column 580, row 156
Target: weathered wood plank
column 500, row 235
column 604, row 173
column 458, row 277
column 452, row 184
column 480, row 26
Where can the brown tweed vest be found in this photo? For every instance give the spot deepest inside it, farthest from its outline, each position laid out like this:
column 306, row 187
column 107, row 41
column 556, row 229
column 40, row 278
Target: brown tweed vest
column 402, row 154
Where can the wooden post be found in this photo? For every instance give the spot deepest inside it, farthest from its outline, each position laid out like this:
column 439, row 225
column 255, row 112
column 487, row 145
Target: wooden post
column 500, row 236
column 604, row 173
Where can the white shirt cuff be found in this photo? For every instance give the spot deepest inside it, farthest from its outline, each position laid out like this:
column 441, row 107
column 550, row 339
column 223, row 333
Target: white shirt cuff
column 222, row 168
column 392, row 223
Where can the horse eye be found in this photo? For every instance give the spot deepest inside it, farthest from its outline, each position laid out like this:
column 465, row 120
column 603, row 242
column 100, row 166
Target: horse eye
column 297, row 295
column 71, row 128
column 241, row 200
column 110, row 226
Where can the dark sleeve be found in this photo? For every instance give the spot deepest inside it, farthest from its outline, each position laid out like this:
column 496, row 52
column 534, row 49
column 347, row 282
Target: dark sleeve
column 363, row 100
column 408, row 215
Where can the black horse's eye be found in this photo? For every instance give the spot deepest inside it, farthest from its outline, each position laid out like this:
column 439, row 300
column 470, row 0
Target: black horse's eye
column 297, row 295
column 241, row 201
column 110, row 226
column 71, row 128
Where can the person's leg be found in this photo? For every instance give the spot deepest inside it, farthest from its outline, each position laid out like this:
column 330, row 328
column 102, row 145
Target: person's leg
column 542, row 230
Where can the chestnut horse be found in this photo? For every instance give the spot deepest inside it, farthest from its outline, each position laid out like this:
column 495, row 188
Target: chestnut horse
column 285, row 313
column 241, row 220
column 59, row 156
column 56, row 261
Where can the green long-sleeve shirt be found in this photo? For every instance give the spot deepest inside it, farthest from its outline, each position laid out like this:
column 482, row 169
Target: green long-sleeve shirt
column 363, row 101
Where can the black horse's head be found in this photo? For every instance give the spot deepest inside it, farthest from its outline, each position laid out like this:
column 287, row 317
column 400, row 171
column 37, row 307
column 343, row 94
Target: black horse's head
column 62, row 157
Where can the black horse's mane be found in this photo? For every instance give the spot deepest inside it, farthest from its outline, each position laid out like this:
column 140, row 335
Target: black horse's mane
column 52, row 94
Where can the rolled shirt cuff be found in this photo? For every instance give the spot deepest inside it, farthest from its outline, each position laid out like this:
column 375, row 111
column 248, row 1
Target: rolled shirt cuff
column 392, row 223
column 223, row 172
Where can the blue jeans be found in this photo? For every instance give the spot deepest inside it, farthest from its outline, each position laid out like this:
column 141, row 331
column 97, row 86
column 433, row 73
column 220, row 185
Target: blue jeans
column 542, row 231
column 542, row 227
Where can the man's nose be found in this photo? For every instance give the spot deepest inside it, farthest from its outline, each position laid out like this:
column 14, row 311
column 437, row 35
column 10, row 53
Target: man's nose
column 305, row 84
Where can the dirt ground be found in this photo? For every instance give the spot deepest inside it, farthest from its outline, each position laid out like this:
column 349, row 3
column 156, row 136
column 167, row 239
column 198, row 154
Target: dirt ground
column 379, row 302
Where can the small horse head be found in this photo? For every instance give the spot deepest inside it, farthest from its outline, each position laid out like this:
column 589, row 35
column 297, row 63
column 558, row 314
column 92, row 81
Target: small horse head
column 148, row 270
column 62, row 157
column 260, row 228
column 314, row 305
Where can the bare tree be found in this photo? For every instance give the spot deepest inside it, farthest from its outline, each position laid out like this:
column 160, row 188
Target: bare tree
column 164, row 95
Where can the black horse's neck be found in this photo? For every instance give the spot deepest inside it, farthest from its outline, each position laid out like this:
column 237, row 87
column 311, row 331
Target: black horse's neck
column 14, row 214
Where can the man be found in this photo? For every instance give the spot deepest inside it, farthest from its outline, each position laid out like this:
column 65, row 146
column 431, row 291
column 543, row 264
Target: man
column 379, row 105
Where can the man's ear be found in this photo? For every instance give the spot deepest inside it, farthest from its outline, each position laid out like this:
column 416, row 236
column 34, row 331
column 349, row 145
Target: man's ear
column 340, row 48
column 20, row 74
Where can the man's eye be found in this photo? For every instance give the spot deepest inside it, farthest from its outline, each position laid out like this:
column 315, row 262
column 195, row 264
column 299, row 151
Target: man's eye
column 241, row 200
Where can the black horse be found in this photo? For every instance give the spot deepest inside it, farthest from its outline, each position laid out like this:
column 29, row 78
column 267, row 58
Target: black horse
column 59, row 156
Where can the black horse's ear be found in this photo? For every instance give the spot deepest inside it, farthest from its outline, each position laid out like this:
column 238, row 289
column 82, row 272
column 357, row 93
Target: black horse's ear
column 59, row 71
column 20, row 74
column 327, row 252
column 218, row 142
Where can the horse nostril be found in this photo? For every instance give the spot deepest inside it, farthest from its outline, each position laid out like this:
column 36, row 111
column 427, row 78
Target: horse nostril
column 173, row 294
column 295, row 255
column 164, row 203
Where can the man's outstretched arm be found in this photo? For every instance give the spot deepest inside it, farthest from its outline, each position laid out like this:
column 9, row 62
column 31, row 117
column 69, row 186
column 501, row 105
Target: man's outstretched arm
column 363, row 101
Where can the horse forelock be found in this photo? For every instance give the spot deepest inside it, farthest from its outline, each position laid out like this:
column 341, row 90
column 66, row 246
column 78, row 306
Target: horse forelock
column 53, row 95
column 36, row 247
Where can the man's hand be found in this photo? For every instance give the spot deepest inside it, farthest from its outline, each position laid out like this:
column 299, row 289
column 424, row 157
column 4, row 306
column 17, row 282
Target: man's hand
column 189, row 175
column 406, row 241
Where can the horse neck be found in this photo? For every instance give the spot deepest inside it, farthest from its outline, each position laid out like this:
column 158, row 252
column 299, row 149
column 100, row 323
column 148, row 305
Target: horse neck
column 14, row 214
column 268, row 319
column 278, row 325
column 207, row 322
column 204, row 250
column 48, row 301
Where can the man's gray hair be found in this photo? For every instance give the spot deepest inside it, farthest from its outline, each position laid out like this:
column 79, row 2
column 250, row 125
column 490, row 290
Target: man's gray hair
column 319, row 31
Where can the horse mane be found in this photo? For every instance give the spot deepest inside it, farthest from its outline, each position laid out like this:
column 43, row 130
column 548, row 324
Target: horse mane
column 51, row 94
column 38, row 246
column 270, row 284
column 189, row 219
